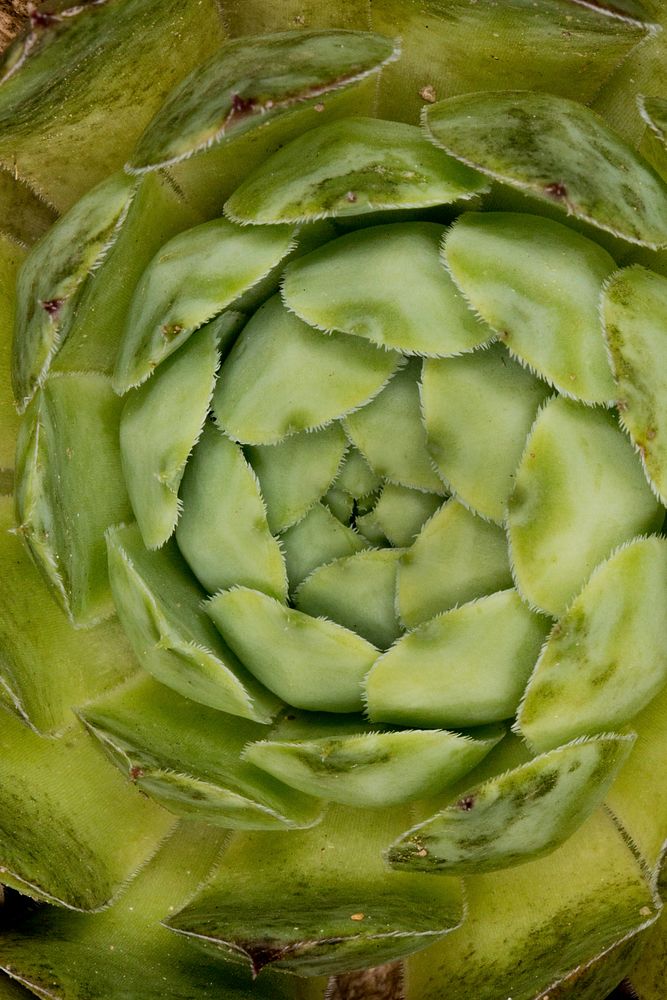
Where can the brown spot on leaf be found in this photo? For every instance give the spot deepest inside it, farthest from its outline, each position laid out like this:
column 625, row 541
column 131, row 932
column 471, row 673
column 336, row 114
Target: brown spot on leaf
column 466, row 803
column 136, row 773
column 428, row 94
column 52, row 306
column 556, row 190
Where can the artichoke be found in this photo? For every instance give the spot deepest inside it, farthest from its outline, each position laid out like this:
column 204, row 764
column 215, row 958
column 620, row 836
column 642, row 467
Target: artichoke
column 335, row 581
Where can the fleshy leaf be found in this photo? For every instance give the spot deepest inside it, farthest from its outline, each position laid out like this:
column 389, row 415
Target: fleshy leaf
column 283, row 377
column 605, row 658
column 474, row 552
column 74, row 830
column 322, row 901
column 45, row 665
column 351, row 167
column 538, row 284
column 579, row 493
column 356, row 478
column 642, row 818
column 401, row 512
column 54, row 272
column 223, row 531
column 52, row 79
column 466, row 667
column 317, row 539
column 390, row 434
column 68, row 440
column 295, row 473
column 634, row 309
column 154, row 446
column 186, row 756
column 551, row 45
column 563, row 910
column 159, row 605
column 309, row 662
column 385, row 284
column 358, row 592
column 557, row 151
column 373, row 769
column 251, row 81
column 478, row 410
column 190, row 280
column 126, row 951
column 96, row 326
column 517, row 816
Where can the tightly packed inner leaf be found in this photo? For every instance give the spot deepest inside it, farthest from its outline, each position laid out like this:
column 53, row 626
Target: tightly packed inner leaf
column 378, row 500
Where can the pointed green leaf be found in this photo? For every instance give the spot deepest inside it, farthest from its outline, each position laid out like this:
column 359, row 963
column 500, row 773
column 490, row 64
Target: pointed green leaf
column 579, row 493
column 390, row 434
column 296, row 472
column 517, row 816
column 250, row 81
column 188, row 282
column 385, row 284
column 159, row 605
column 561, row 910
column 351, row 167
column 371, row 529
column 317, row 539
column 73, row 829
column 606, row 657
column 559, row 152
column 311, row 663
column 474, row 552
column 358, row 592
column 223, row 530
column 356, row 478
column 634, row 309
column 283, row 377
column 538, row 285
column 373, row 769
column 54, row 272
column 45, row 665
column 125, row 951
column 340, row 503
column 401, row 512
column 466, row 667
column 321, row 901
column 154, row 446
column 69, row 439
column 188, row 758
column 52, row 79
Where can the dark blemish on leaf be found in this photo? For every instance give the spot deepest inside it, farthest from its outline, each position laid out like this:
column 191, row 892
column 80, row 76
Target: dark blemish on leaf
column 170, row 330
column 136, row 773
column 466, row 803
column 242, row 105
column 52, row 306
column 556, row 190
column 263, row 953
column 41, row 19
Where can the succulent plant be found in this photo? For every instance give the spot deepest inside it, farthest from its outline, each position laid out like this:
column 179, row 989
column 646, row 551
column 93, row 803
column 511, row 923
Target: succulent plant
column 334, row 613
